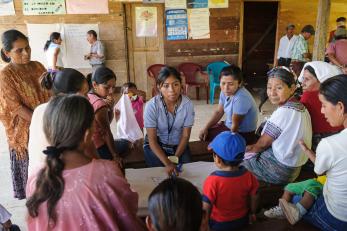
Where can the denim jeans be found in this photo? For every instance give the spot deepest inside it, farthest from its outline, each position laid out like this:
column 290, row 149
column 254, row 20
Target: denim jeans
column 229, row 225
column 121, row 145
column 153, row 161
column 319, row 216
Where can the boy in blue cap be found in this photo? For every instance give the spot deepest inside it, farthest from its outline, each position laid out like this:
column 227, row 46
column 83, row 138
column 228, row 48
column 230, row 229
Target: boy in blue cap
column 228, row 191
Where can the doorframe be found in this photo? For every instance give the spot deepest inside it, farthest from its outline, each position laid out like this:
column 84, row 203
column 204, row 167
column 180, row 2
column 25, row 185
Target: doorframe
column 242, row 9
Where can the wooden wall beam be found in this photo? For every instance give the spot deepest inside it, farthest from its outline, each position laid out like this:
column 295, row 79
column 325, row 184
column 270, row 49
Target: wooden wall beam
column 322, row 24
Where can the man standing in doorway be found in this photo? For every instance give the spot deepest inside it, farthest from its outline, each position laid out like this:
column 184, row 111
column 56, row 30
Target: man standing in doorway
column 284, row 53
column 96, row 56
column 300, row 52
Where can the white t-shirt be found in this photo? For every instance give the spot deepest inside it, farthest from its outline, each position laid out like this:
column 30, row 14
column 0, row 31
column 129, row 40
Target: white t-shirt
column 50, row 54
column 331, row 158
column 286, row 46
column 287, row 125
column 37, row 139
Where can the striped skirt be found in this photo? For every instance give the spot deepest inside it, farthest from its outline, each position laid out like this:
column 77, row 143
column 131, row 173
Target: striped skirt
column 19, row 171
column 267, row 168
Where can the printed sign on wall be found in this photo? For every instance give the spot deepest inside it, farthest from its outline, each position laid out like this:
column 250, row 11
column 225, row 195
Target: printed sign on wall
column 176, row 24
column 43, row 7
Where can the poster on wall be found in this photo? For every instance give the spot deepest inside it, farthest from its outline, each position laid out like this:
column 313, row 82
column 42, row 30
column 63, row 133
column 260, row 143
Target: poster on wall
column 76, row 44
column 38, row 35
column 197, row 4
column 153, row 1
column 218, row 3
column 87, row 7
column 146, row 21
column 176, row 24
column 199, row 23
column 175, row 4
column 7, row 7
column 43, row 7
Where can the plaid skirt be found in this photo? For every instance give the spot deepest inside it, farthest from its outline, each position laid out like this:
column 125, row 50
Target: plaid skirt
column 19, row 172
column 267, row 168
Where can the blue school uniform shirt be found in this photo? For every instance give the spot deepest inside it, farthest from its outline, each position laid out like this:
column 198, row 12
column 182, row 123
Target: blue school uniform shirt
column 155, row 117
column 242, row 103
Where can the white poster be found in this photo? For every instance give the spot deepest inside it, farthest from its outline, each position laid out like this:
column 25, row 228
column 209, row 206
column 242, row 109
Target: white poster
column 7, row 7
column 199, row 23
column 146, row 21
column 38, row 35
column 176, row 4
column 76, row 44
column 73, row 48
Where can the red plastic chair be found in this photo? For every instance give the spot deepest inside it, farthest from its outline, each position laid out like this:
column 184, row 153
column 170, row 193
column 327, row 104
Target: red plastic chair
column 190, row 71
column 153, row 72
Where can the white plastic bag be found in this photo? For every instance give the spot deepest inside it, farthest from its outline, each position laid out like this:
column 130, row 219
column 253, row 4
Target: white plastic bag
column 127, row 126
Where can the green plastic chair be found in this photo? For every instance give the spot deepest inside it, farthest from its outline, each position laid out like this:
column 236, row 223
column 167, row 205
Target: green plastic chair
column 214, row 69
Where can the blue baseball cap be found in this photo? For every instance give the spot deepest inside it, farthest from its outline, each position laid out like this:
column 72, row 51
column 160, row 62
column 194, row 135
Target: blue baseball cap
column 228, row 145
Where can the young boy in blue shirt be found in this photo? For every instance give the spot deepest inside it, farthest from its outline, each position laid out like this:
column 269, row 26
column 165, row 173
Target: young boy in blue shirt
column 229, row 194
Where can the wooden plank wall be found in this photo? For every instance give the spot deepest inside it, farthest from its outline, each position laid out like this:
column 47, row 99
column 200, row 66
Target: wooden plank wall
column 222, row 45
column 111, row 27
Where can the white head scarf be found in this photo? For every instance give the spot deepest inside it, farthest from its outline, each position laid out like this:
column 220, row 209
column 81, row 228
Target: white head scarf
column 322, row 69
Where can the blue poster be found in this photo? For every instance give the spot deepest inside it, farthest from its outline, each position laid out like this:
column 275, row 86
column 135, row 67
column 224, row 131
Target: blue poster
column 176, row 24
column 197, row 4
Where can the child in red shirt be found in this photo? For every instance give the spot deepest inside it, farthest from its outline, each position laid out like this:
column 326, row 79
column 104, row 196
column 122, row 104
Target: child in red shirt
column 226, row 192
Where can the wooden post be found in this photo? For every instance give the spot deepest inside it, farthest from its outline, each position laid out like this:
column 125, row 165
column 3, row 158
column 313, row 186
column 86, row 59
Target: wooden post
column 322, row 24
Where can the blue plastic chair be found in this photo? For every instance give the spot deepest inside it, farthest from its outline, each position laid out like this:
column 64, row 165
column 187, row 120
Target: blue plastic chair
column 213, row 70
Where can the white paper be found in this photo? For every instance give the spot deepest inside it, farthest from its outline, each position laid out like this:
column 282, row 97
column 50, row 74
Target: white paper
column 76, row 44
column 144, row 180
column 176, row 4
column 38, row 35
column 7, row 7
column 199, row 23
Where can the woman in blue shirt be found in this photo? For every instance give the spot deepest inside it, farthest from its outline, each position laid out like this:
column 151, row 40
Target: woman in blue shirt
column 238, row 105
column 168, row 119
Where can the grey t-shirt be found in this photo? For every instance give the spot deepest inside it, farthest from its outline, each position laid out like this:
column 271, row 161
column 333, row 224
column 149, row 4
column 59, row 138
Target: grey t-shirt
column 97, row 48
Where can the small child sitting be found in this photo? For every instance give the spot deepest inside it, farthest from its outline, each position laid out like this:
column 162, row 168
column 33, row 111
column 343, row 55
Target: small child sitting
column 137, row 98
column 309, row 190
column 175, row 205
column 226, row 192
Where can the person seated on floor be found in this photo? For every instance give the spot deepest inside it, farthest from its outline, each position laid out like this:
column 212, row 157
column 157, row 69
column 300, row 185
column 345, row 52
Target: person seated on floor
column 309, row 190
column 175, row 205
column 237, row 104
column 73, row 191
column 101, row 98
column 5, row 221
column 329, row 211
column 229, row 194
column 168, row 119
column 312, row 75
column 276, row 157
column 66, row 81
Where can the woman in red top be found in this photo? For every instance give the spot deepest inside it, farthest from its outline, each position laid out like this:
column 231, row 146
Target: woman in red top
column 312, row 75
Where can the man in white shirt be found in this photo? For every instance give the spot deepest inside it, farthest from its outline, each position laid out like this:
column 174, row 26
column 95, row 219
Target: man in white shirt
column 285, row 47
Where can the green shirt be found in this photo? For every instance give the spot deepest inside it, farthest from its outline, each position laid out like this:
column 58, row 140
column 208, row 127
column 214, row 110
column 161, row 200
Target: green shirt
column 300, row 47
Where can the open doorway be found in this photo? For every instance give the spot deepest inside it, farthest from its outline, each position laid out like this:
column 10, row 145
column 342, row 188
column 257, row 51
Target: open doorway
column 259, row 39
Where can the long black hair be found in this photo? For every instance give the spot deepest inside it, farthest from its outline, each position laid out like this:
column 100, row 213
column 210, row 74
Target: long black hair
column 335, row 90
column 7, row 40
column 65, row 123
column 52, row 37
column 67, row 81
